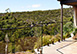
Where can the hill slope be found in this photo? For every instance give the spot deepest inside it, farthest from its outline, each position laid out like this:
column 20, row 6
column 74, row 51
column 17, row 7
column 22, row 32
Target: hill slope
column 22, row 19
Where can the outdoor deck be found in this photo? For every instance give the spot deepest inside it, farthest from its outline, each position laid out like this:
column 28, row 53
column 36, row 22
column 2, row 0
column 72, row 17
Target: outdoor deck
column 69, row 46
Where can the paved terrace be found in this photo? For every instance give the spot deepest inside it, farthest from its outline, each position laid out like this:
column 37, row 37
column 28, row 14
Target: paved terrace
column 69, row 46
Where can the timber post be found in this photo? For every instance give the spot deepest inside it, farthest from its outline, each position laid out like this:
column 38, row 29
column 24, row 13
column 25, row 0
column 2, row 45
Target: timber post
column 62, row 22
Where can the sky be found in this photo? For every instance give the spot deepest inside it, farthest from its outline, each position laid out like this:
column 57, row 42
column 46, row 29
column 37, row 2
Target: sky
column 29, row 5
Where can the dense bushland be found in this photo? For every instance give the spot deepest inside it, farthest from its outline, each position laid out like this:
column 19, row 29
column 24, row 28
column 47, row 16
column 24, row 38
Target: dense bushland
column 51, row 26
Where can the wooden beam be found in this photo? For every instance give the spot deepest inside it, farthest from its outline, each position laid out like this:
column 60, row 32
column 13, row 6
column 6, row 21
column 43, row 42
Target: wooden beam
column 68, row 1
column 62, row 22
column 73, row 4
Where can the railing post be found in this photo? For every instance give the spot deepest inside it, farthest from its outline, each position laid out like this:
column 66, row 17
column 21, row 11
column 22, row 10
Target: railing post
column 7, row 40
column 62, row 22
column 6, row 48
column 41, row 51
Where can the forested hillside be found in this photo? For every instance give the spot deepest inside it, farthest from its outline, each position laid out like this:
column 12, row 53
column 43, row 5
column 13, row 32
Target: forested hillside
column 22, row 19
column 50, row 19
column 36, row 16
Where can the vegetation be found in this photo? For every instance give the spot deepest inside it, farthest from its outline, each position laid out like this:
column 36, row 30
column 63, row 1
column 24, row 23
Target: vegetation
column 28, row 38
column 75, row 34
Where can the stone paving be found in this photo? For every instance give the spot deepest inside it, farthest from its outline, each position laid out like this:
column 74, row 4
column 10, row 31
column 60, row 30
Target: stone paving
column 69, row 46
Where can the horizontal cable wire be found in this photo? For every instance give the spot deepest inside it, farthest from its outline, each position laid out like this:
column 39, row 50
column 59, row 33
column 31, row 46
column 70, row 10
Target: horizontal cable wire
column 32, row 25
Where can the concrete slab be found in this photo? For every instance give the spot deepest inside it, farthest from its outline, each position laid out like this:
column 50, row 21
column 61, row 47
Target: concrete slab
column 65, row 47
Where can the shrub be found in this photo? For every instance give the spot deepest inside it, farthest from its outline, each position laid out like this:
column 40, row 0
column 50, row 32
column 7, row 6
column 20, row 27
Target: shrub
column 10, row 47
column 68, row 27
column 67, row 35
column 38, row 43
column 46, row 40
column 75, row 31
column 58, row 37
column 53, row 39
column 2, row 48
column 26, row 43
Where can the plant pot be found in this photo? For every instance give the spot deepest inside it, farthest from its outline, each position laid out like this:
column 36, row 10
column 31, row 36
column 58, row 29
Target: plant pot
column 58, row 40
column 37, row 49
column 48, row 44
column 40, row 51
column 52, row 42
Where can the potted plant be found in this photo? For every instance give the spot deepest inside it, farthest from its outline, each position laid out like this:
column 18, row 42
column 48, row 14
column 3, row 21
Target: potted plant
column 58, row 40
column 47, row 44
column 58, row 37
column 53, row 39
